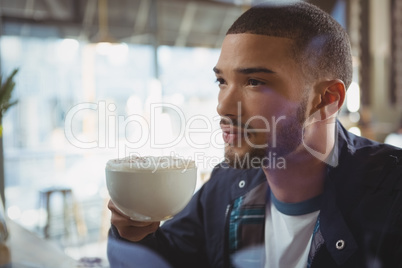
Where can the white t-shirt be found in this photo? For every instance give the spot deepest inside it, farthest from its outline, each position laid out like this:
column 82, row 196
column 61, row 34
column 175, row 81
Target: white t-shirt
column 288, row 232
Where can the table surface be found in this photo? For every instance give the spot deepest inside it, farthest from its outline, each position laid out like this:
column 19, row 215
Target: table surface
column 29, row 250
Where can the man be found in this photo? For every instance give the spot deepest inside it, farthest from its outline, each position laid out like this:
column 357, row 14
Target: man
column 295, row 186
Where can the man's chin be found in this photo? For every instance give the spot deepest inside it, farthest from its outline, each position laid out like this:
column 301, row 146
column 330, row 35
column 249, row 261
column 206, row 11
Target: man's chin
column 244, row 159
column 232, row 155
column 259, row 158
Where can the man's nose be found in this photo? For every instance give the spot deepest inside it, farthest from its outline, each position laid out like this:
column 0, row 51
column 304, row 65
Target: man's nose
column 229, row 102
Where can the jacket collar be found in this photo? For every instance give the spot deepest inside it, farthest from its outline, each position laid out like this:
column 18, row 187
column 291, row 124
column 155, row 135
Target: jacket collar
column 334, row 228
column 332, row 223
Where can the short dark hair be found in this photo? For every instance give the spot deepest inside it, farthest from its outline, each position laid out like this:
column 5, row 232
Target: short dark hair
column 320, row 43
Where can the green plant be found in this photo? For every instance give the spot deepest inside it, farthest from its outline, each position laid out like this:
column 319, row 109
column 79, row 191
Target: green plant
column 5, row 94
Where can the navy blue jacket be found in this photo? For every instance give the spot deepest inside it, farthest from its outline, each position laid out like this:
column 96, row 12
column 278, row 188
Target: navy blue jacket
column 359, row 225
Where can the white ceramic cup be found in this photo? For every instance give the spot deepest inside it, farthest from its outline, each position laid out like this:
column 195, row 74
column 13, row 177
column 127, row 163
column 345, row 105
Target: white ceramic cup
column 153, row 192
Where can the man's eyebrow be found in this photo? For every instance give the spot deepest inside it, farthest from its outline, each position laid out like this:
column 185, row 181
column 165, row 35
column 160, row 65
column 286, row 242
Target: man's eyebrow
column 254, row 70
column 248, row 70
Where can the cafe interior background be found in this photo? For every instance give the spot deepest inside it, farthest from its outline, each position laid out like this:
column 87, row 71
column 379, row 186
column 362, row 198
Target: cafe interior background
column 92, row 75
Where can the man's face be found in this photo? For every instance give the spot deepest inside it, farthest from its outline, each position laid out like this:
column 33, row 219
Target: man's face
column 262, row 97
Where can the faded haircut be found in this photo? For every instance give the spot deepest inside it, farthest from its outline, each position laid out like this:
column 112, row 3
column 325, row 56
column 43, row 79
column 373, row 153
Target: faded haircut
column 320, row 43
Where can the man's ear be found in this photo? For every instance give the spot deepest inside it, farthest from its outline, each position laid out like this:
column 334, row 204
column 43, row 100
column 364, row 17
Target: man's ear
column 332, row 95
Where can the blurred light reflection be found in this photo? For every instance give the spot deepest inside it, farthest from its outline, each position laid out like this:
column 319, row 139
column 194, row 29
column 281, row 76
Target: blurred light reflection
column 353, row 98
column 355, row 130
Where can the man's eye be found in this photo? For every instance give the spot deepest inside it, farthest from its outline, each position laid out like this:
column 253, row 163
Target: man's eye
column 220, row 81
column 253, row 82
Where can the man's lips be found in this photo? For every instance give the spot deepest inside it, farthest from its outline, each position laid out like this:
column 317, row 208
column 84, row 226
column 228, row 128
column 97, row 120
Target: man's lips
column 230, row 138
column 232, row 134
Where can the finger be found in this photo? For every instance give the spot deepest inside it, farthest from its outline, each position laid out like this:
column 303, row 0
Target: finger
column 121, row 221
column 112, row 207
column 136, row 234
column 119, row 218
column 142, row 223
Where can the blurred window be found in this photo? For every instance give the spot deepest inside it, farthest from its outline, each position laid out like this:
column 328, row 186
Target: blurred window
column 80, row 104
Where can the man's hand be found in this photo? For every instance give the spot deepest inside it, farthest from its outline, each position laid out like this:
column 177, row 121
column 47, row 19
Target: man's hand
column 129, row 229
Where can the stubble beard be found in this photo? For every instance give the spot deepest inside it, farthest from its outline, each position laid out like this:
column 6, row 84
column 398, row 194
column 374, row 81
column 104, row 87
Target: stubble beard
column 288, row 138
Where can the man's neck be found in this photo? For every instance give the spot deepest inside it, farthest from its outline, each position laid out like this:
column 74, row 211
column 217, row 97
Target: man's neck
column 302, row 179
